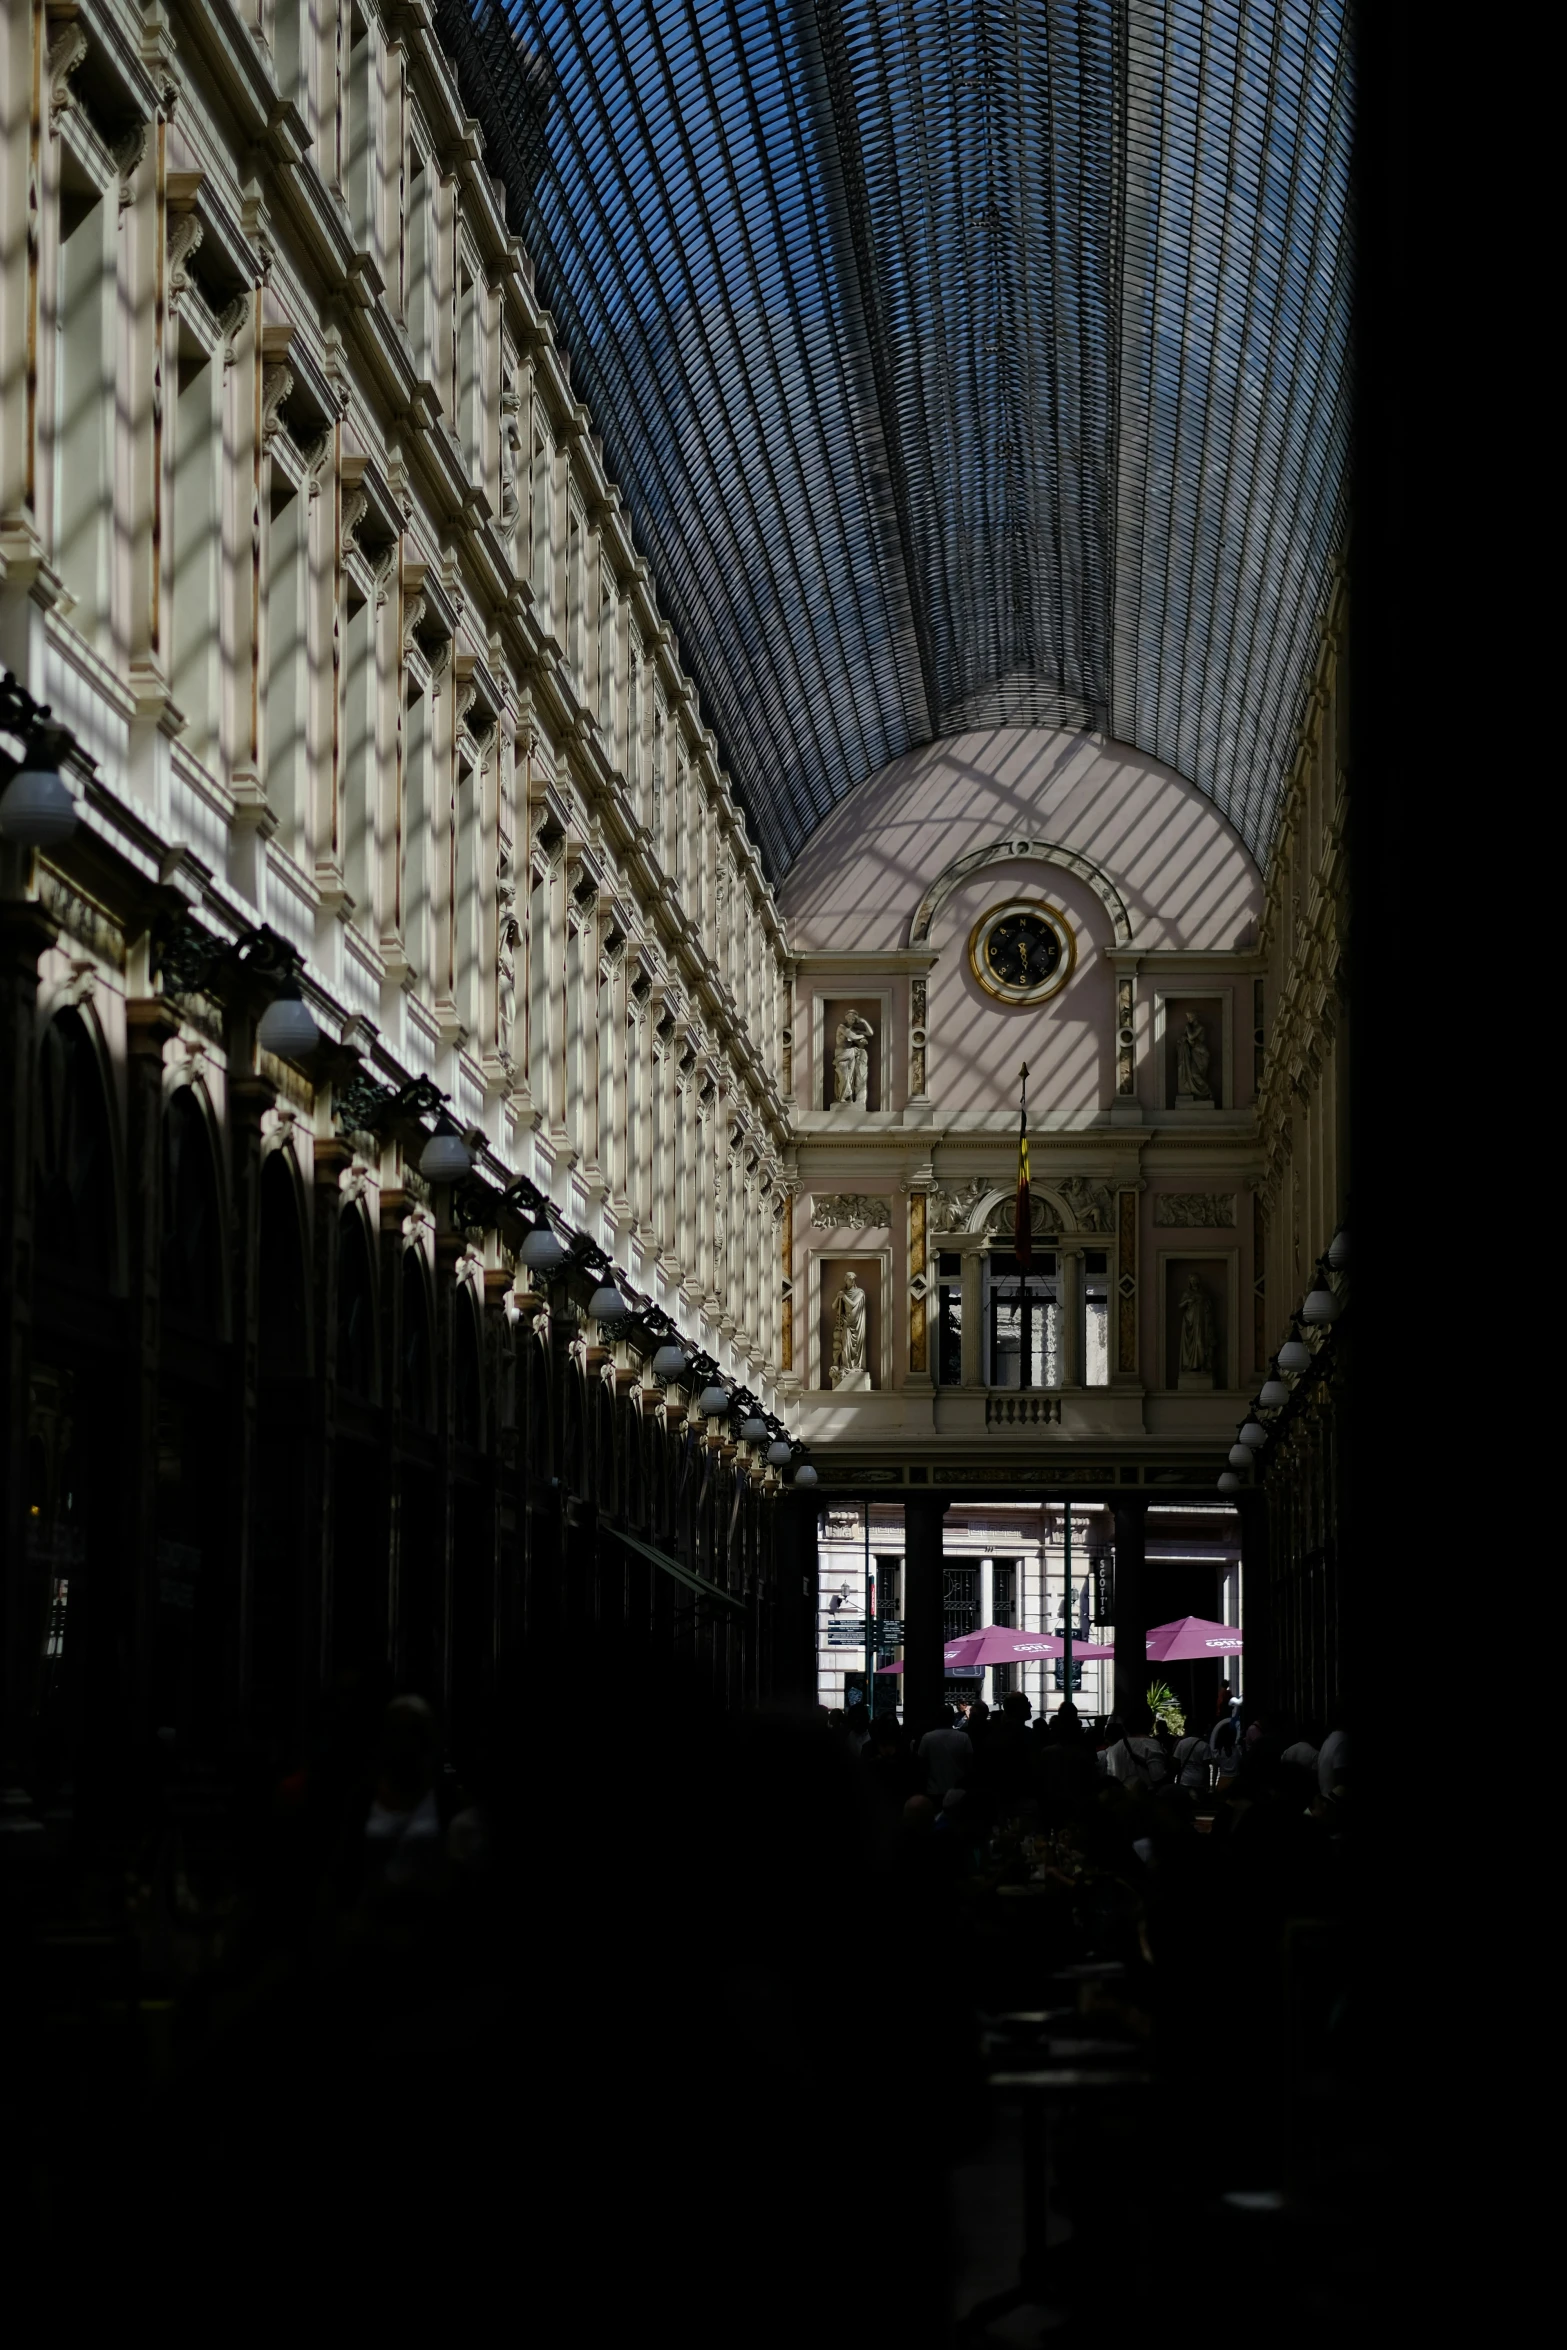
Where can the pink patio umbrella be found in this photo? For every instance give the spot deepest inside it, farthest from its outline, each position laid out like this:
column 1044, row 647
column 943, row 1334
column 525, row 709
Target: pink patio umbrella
column 1192, row 1636
column 1002, row 1644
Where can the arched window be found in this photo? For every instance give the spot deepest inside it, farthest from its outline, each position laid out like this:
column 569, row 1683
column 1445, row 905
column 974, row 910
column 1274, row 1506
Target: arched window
column 571, row 1435
column 73, row 1157
column 355, row 1309
column 608, row 1450
column 467, row 1379
column 417, row 1349
column 633, row 1495
column 283, row 1336
column 191, row 1256
column 541, row 1430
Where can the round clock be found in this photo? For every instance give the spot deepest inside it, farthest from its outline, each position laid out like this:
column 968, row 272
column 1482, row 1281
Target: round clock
column 1022, row 952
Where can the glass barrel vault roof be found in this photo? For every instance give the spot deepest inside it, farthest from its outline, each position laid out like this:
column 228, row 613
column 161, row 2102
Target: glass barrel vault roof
column 962, row 362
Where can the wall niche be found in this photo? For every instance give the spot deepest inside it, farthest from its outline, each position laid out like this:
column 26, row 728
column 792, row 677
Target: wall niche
column 1194, row 1053
column 1196, row 1324
column 862, row 1322
column 851, row 1035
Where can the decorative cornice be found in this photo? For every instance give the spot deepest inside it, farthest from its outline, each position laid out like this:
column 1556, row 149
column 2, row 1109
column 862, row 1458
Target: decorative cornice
column 1044, row 852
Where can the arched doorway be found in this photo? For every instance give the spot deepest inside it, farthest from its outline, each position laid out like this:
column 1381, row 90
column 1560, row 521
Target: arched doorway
column 421, row 1517
column 472, row 1614
column 359, row 1502
column 285, row 1498
column 78, row 1606
column 195, row 1637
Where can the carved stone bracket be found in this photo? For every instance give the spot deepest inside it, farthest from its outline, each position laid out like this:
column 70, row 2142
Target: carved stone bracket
column 231, row 318
column 277, row 381
column 128, row 151
column 185, row 234
column 356, row 505
column 66, row 52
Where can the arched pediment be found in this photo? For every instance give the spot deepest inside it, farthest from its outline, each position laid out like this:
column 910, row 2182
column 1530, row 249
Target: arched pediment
column 1072, row 1205
column 1011, row 852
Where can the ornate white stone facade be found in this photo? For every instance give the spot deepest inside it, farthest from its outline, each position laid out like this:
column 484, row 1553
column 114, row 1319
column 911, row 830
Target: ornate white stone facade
column 306, row 535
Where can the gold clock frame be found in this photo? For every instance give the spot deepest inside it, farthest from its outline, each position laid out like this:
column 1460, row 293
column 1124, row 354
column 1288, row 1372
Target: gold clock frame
column 1022, row 998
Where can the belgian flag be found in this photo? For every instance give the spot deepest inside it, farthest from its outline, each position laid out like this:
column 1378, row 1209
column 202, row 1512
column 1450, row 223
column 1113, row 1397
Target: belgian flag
column 1022, row 1218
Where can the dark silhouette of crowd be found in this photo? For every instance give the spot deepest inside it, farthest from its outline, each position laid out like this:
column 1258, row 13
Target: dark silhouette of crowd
column 573, row 2012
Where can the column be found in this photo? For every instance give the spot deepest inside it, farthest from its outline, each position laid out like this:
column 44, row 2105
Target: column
column 1070, row 1292
column 987, row 1615
column 1259, row 1657
column 973, row 1353
column 797, row 1576
column 1131, row 1619
column 924, row 1679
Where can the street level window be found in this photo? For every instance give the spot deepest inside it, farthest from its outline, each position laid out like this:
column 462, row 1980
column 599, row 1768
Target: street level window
column 959, row 1602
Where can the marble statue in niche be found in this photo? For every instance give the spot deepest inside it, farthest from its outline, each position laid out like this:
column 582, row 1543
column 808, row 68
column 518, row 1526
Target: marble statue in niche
column 851, row 1060
column 1193, row 1060
column 848, row 1335
column 1197, row 1335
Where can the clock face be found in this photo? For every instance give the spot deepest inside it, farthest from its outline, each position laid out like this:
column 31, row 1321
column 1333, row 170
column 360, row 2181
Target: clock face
column 1022, row 952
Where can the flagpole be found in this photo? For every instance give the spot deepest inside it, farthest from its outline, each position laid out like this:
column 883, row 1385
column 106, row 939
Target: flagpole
column 1022, row 1213
column 1066, row 1614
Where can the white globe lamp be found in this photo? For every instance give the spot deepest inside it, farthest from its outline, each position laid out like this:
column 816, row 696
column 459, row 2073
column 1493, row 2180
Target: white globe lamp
column 36, row 807
column 286, row 1028
column 542, row 1252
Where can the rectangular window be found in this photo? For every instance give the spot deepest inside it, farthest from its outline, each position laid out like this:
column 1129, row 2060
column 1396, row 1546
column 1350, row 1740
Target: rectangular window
column 1004, row 1592
column 193, row 669
column 1022, row 1322
column 290, row 52
column 656, row 789
column 416, row 831
column 419, row 274
column 358, row 779
column 543, row 508
column 288, row 662
column 465, row 913
column 539, row 989
column 608, row 617
column 959, row 1602
column 949, row 1321
column 469, row 422
column 359, row 128
column 574, row 594
column 85, row 405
